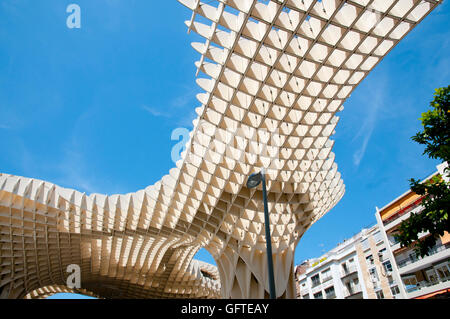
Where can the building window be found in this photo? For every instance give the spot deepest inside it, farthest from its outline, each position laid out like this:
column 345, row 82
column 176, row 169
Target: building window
column 373, row 274
column 432, row 277
column 443, row 272
column 387, row 266
column 395, row 290
column 330, row 292
column 380, row 294
column 369, row 260
column 377, row 237
column 411, row 280
column 390, row 279
column 381, row 254
column 365, row 244
column 318, row 295
column 315, row 280
column 344, row 267
column 353, row 287
column 393, row 240
column 326, row 275
column 305, row 296
column 410, row 283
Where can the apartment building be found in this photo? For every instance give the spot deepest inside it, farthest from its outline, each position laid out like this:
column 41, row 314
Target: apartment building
column 420, row 277
column 372, row 264
column 358, row 268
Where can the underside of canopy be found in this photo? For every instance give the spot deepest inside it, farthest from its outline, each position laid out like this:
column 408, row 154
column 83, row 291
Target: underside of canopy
column 274, row 75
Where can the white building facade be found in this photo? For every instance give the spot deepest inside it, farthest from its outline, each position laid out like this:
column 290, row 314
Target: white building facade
column 420, row 277
column 358, row 268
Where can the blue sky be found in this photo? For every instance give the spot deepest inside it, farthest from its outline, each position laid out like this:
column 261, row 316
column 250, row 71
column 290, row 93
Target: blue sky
column 93, row 108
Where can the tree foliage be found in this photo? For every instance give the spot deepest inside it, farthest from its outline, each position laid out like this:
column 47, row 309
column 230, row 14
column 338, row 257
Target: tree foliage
column 436, row 127
column 434, row 216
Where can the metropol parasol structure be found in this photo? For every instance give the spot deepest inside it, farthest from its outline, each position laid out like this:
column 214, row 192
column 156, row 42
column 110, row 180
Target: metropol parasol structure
column 277, row 72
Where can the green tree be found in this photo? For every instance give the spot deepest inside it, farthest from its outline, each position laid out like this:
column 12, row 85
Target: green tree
column 434, row 217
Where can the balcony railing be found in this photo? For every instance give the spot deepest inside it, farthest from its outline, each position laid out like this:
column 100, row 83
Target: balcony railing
column 331, row 295
column 414, row 258
column 353, row 291
column 404, row 210
column 329, row 277
column 348, row 271
column 425, row 283
column 392, row 240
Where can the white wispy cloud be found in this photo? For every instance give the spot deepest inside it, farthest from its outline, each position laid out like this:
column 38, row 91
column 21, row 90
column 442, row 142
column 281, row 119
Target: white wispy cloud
column 155, row 112
column 359, row 154
column 374, row 100
column 185, row 98
column 180, row 108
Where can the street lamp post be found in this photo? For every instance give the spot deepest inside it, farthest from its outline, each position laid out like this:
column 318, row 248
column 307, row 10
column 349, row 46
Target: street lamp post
column 253, row 181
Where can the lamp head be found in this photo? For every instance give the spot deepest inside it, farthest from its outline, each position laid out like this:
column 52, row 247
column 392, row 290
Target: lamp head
column 254, row 180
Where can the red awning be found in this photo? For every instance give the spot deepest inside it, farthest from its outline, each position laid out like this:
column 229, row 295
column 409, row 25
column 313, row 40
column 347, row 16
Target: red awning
column 433, row 294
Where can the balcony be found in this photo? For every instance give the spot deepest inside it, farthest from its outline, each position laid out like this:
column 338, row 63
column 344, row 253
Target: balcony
column 404, row 264
column 330, row 295
column 325, row 279
column 396, row 246
column 425, row 287
column 348, row 271
column 393, row 240
column 402, row 211
column 353, row 293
